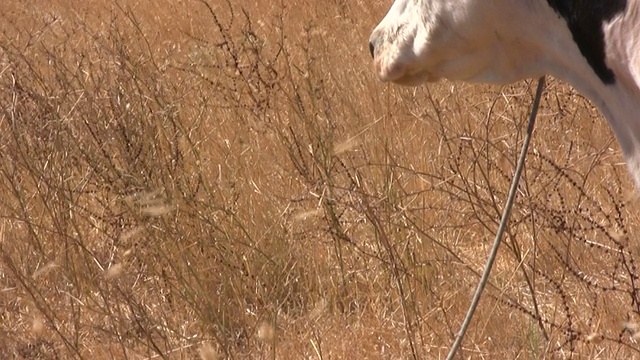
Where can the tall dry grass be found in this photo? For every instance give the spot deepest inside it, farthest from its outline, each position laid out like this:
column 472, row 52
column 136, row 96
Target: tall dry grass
column 229, row 180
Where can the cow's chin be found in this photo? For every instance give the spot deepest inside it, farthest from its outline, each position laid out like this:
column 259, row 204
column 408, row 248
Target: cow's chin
column 402, row 72
column 415, row 78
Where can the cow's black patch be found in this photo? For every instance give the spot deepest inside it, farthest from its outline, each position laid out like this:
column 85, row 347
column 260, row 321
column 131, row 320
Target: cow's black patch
column 585, row 19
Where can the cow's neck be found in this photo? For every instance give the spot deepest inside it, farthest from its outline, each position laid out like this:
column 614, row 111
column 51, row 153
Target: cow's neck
column 618, row 100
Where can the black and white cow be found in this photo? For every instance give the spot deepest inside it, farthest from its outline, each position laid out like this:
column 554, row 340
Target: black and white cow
column 592, row 44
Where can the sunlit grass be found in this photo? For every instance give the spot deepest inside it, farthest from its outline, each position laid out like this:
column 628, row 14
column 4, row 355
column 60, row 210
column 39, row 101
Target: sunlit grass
column 230, row 180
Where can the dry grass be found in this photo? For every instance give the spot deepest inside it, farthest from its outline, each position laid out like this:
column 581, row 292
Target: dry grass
column 230, row 180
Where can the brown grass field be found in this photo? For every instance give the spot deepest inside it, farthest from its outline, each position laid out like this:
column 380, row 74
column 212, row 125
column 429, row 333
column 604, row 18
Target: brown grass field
column 213, row 180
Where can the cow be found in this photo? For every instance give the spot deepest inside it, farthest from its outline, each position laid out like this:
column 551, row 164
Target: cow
column 594, row 45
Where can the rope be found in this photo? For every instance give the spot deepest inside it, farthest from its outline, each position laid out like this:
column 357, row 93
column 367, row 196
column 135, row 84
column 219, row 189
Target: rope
column 503, row 222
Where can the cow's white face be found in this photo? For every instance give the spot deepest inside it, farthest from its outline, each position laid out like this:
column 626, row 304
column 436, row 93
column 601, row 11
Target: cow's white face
column 425, row 40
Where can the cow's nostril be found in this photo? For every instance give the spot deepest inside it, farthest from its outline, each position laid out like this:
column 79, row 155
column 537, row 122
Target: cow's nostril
column 371, row 48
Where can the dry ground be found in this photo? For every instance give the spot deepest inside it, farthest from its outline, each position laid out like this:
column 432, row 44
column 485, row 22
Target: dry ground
column 182, row 179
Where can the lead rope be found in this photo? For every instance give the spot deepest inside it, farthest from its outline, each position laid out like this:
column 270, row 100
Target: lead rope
column 503, row 222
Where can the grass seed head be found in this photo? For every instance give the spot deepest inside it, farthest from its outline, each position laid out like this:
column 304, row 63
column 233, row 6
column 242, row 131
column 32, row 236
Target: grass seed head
column 318, row 310
column 594, row 338
column 44, row 270
column 632, row 327
column 37, row 326
column 114, row 271
column 157, row 210
column 266, row 332
column 207, row 352
column 130, row 234
column 304, row 215
column 345, row 146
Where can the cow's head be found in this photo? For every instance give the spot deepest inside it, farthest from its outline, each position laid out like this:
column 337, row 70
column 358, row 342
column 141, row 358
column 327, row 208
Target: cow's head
column 425, row 40
column 593, row 45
